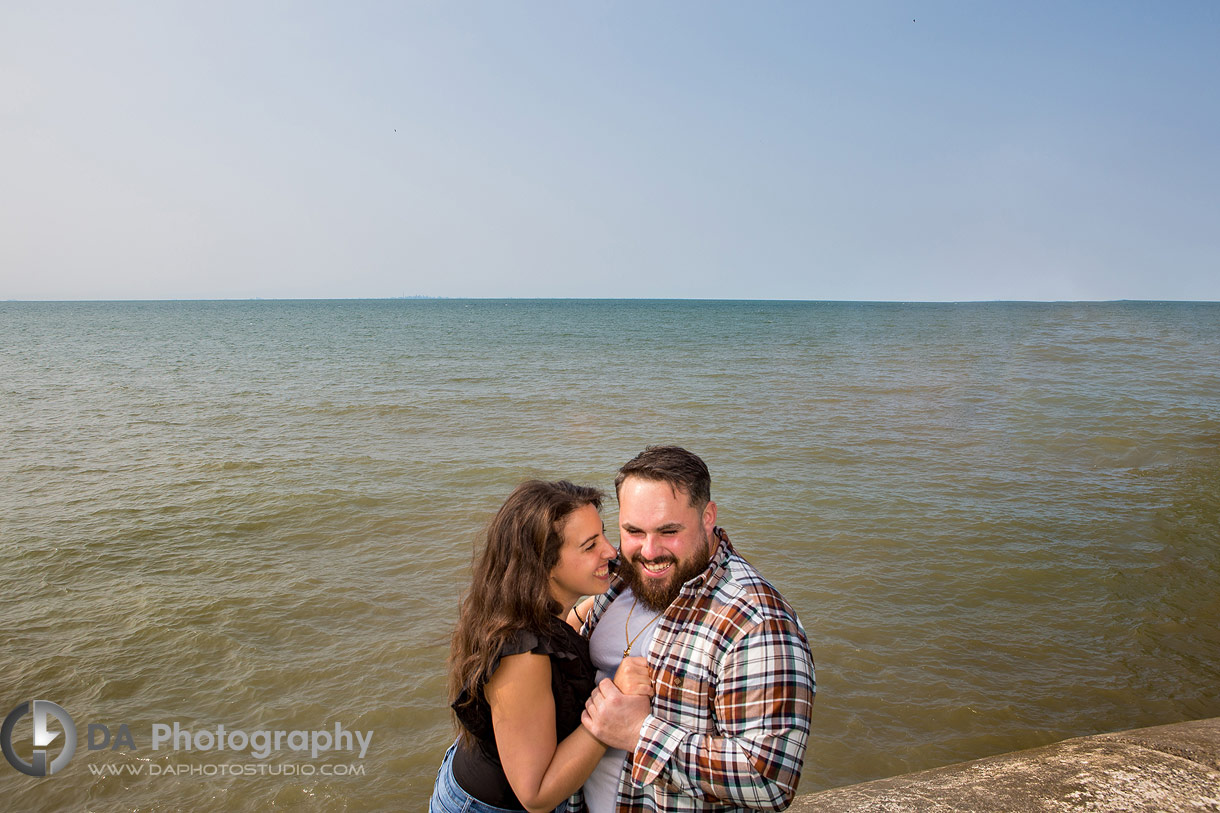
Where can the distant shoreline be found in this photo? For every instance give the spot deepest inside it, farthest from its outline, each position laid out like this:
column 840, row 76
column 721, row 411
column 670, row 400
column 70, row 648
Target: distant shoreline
column 420, row 297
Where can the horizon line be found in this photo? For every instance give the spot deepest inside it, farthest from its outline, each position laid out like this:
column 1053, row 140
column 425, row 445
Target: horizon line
column 624, row 299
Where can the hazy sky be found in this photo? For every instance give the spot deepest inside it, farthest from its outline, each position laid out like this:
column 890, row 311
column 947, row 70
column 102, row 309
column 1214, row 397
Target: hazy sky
column 854, row 150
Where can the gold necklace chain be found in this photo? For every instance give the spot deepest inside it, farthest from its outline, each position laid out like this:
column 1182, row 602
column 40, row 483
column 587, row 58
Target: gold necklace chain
column 627, row 627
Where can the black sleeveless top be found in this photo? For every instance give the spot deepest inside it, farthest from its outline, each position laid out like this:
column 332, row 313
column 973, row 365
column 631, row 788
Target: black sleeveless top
column 478, row 769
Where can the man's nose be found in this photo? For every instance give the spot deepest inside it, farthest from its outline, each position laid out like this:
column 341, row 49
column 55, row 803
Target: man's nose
column 651, row 549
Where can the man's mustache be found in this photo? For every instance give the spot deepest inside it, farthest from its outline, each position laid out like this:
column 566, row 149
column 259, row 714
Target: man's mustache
column 640, row 560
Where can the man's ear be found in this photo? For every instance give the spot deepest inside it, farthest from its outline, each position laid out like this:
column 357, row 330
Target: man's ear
column 709, row 518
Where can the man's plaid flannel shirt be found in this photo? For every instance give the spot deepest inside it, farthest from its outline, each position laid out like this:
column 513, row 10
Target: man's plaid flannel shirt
column 734, row 686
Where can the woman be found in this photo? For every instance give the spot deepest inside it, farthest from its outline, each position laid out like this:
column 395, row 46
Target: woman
column 519, row 676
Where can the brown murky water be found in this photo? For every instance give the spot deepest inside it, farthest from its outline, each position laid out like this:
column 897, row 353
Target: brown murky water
column 999, row 523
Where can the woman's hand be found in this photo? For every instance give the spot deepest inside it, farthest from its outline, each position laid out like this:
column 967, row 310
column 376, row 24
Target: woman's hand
column 632, row 677
column 614, row 718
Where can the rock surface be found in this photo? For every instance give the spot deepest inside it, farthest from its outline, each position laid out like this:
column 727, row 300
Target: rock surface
column 1164, row 769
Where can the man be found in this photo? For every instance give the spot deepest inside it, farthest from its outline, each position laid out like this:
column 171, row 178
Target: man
column 730, row 664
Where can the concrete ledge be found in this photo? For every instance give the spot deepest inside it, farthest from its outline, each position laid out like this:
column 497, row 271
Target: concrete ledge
column 1164, row 769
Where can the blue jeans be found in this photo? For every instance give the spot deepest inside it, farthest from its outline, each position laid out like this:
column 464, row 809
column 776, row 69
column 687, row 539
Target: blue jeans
column 448, row 796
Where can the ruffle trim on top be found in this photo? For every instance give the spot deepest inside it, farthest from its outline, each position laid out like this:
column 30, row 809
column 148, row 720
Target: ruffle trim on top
column 556, row 644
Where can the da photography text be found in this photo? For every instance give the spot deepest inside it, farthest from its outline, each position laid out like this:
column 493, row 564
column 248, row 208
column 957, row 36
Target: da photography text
column 260, row 743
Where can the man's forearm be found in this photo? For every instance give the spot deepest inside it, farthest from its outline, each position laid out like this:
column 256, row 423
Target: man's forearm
column 749, row 750
column 758, row 771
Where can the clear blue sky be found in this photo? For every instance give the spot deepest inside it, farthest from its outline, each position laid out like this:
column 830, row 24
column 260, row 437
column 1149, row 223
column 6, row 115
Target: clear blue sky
column 863, row 151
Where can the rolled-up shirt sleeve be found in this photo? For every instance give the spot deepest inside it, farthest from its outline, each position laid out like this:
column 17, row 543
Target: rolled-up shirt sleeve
column 762, row 704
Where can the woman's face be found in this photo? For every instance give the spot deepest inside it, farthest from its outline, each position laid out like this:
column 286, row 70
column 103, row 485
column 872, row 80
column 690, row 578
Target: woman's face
column 583, row 567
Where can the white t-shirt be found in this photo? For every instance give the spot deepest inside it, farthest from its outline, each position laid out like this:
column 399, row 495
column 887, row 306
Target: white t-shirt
column 618, row 625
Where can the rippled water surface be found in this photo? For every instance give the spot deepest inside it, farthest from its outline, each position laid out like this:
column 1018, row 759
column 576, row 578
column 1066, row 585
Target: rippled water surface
column 999, row 523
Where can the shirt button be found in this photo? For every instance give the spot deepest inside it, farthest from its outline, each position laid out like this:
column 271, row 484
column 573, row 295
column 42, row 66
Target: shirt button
column 678, row 681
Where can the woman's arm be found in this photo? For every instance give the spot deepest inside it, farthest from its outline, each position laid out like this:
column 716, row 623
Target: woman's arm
column 541, row 772
column 578, row 614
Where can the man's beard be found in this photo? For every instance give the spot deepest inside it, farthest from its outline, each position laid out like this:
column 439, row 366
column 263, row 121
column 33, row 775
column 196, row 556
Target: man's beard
column 657, row 595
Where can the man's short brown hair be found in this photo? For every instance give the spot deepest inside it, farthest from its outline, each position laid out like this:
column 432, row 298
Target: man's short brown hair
column 683, row 471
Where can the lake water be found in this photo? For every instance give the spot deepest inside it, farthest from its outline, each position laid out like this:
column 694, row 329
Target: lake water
column 999, row 523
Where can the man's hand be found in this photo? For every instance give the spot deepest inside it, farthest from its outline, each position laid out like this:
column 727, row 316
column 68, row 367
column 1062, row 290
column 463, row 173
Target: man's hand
column 615, row 718
column 632, row 677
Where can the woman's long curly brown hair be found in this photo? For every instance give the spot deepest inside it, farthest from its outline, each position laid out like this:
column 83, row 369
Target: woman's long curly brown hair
column 510, row 588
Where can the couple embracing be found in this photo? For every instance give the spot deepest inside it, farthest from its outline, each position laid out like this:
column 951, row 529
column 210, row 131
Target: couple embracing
column 683, row 682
